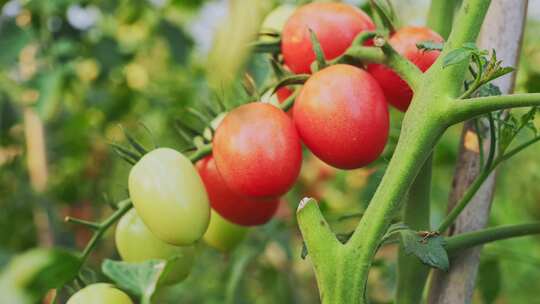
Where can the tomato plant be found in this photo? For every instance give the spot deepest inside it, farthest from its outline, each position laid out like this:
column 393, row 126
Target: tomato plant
column 404, row 41
column 135, row 243
column 238, row 209
column 222, row 234
column 170, row 197
column 342, row 116
column 257, row 150
column 239, row 157
column 100, row 293
column 335, row 25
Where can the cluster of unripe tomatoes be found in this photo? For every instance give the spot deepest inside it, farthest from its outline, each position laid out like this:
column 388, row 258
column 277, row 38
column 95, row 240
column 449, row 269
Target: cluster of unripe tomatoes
column 340, row 115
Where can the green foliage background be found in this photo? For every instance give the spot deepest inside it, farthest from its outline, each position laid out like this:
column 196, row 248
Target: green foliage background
column 141, row 64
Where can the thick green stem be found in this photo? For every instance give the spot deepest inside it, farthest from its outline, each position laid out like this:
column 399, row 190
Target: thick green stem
column 441, row 15
column 462, row 110
column 470, row 239
column 342, row 270
column 412, row 274
column 414, row 147
column 335, row 272
column 466, row 29
column 407, row 70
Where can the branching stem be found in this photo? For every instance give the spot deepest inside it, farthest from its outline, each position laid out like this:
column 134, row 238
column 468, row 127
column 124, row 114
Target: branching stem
column 470, row 239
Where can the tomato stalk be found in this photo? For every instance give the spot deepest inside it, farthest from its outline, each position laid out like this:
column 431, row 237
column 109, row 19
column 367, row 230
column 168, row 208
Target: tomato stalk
column 488, row 235
column 343, row 275
column 462, row 110
column 411, row 273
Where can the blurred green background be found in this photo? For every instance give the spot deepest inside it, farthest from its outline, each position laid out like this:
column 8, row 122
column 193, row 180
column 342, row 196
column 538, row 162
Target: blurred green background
column 79, row 69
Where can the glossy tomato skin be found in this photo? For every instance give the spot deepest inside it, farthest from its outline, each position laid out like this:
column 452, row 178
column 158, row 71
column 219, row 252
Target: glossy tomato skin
column 335, row 25
column 258, row 151
column 222, row 234
column 101, row 293
column 136, row 243
column 238, row 209
column 170, row 197
column 342, row 116
column 397, row 91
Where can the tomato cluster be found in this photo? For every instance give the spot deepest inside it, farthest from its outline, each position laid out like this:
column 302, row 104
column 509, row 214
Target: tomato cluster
column 340, row 114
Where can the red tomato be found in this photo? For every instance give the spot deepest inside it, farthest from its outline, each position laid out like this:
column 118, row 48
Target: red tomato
column 233, row 207
column 257, row 150
column 342, row 116
column 335, row 25
column 396, row 90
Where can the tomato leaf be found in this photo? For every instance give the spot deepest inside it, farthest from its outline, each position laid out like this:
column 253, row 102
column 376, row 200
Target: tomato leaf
column 273, row 47
column 28, row 277
column 456, row 56
column 140, row 279
column 488, row 89
column 500, row 72
column 430, row 250
column 427, row 46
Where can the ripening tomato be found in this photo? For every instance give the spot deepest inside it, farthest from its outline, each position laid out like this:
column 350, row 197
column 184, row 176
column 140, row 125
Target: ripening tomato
column 238, row 209
column 222, row 234
column 136, row 243
column 335, row 25
column 169, row 196
column 397, row 91
column 101, row 293
column 258, row 151
column 342, row 116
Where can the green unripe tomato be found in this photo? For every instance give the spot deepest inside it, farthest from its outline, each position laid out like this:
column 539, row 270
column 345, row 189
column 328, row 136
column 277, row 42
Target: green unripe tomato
column 276, row 19
column 135, row 243
column 99, row 293
column 222, row 234
column 170, row 197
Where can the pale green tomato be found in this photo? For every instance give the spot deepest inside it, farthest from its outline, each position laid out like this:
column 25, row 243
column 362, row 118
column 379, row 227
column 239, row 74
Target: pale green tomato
column 170, row 197
column 99, row 293
column 276, row 19
column 222, row 234
column 135, row 243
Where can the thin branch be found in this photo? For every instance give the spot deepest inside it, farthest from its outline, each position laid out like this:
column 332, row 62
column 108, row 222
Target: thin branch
column 89, row 224
column 452, row 216
column 467, row 109
column 516, row 150
column 407, row 70
column 470, row 239
column 124, row 206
